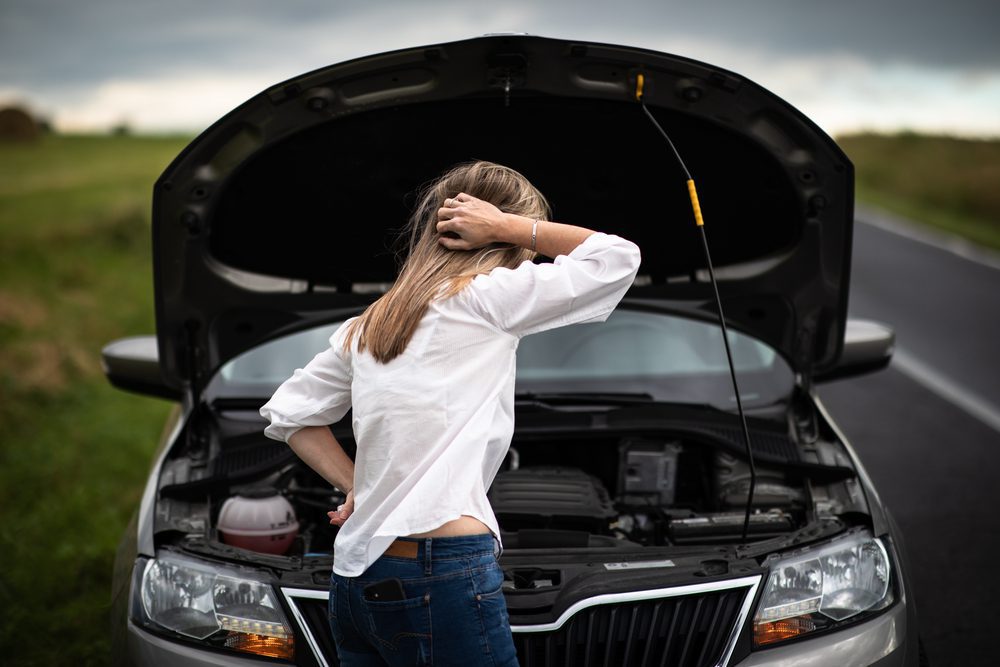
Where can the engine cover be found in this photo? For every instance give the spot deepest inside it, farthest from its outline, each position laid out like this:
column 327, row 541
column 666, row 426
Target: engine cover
column 551, row 497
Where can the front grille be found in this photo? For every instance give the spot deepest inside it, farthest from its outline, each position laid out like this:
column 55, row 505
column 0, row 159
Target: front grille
column 315, row 616
column 691, row 630
column 682, row 631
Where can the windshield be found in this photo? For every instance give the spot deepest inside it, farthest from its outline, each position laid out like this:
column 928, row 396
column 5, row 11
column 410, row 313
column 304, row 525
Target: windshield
column 671, row 358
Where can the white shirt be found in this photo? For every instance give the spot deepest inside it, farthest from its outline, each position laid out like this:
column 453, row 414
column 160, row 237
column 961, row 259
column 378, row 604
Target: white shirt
column 433, row 425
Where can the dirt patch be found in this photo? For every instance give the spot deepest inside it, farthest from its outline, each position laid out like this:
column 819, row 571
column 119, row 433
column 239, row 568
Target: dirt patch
column 34, row 365
column 82, row 361
column 31, row 364
column 21, row 312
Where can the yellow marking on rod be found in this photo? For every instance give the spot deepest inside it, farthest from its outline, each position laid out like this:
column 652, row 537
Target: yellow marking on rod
column 694, row 203
column 639, row 79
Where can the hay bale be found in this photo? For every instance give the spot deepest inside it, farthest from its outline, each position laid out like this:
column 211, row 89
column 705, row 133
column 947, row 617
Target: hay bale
column 16, row 124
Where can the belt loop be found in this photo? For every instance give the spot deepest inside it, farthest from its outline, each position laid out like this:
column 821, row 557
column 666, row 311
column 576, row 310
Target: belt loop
column 427, row 556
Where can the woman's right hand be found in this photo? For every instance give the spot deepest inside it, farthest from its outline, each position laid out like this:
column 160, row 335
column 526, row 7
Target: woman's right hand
column 338, row 517
column 467, row 223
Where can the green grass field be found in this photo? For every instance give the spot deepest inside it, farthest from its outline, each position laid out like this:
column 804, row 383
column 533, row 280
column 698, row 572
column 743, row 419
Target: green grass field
column 944, row 182
column 75, row 273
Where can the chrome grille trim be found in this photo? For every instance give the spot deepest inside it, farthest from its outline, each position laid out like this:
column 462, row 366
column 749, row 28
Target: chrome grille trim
column 734, row 633
column 290, row 594
column 751, row 583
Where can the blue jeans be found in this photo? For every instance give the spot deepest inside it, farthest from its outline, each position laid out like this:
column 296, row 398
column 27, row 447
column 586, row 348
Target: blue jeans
column 453, row 613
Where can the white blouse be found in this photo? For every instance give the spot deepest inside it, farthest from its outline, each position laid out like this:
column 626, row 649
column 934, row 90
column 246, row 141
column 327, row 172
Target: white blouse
column 433, row 425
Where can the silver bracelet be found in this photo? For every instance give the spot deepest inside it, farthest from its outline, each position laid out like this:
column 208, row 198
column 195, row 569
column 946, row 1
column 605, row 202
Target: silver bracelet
column 534, row 234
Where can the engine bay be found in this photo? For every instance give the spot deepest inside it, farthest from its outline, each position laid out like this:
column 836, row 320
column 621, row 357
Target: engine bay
column 551, row 492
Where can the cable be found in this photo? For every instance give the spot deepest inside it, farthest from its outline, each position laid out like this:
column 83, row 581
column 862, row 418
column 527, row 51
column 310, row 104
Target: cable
column 699, row 221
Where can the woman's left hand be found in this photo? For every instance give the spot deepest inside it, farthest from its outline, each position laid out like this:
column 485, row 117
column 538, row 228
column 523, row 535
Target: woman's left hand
column 338, row 517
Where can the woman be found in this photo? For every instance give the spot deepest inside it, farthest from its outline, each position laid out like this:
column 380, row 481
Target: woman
column 429, row 371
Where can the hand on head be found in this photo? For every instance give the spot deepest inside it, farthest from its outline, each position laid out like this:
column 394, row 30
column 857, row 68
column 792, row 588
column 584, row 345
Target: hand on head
column 467, row 223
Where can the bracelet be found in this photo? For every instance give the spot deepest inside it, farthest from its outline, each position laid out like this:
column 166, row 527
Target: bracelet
column 534, row 234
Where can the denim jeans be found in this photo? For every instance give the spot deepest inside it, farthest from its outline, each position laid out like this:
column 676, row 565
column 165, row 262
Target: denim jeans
column 453, row 612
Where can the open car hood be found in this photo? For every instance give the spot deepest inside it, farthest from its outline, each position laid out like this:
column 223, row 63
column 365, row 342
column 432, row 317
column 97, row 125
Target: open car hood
column 282, row 213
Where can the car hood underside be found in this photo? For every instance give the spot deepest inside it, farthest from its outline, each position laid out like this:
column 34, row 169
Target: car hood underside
column 281, row 214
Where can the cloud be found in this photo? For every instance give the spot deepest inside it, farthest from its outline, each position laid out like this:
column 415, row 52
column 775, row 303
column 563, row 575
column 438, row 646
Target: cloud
column 80, row 43
column 177, row 103
column 186, row 95
column 845, row 92
column 70, row 41
column 859, row 96
column 847, row 64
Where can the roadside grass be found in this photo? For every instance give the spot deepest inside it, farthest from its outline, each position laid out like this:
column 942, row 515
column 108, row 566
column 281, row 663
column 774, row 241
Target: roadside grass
column 944, row 182
column 75, row 273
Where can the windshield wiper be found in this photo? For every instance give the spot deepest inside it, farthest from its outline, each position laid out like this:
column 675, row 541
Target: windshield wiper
column 581, row 398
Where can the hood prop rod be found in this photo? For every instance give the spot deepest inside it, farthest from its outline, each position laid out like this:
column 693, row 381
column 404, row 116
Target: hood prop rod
column 699, row 221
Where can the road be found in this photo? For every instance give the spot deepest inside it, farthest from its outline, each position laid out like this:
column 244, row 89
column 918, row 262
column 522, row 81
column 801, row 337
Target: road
column 928, row 428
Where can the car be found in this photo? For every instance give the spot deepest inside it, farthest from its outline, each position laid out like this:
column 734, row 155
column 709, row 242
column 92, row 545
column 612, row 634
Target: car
column 638, row 529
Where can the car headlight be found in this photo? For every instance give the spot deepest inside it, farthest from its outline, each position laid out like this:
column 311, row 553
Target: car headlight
column 820, row 588
column 221, row 607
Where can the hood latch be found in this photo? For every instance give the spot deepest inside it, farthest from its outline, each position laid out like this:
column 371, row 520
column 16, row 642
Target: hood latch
column 507, row 70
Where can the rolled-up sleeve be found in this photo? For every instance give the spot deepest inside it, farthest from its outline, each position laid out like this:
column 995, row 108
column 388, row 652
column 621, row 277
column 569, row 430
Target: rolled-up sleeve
column 583, row 286
column 317, row 395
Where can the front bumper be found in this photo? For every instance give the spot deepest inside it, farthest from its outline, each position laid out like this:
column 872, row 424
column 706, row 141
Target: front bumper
column 888, row 640
column 145, row 648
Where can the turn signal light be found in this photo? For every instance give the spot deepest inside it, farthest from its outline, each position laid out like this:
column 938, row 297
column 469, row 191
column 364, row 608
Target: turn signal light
column 272, row 647
column 777, row 631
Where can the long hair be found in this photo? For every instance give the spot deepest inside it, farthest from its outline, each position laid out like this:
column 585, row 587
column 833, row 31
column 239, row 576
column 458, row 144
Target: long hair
column 388, row 324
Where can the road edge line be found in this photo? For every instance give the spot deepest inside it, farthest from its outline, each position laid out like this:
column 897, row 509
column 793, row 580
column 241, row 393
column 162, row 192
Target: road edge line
column 956, row 245
column 947, row 389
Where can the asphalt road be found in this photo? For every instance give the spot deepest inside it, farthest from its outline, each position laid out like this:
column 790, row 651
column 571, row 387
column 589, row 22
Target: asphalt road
column 928, row 428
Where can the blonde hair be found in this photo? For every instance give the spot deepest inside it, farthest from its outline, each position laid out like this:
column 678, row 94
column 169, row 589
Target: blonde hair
column 387, row 325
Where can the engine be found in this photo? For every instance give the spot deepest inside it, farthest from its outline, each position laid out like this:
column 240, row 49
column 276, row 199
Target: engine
column 664, row 493
column 606, row 493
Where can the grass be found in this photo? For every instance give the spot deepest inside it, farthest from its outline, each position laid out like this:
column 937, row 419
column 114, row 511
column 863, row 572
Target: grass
column 944, row 182
column 75, row 273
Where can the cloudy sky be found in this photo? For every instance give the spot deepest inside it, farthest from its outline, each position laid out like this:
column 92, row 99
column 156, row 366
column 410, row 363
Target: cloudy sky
column 163, row 65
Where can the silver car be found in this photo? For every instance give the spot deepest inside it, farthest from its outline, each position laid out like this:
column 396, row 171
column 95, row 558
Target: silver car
column 633, row 530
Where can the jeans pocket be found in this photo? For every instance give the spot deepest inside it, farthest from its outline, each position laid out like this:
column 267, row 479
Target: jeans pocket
column 403, row 627
column 488, row 580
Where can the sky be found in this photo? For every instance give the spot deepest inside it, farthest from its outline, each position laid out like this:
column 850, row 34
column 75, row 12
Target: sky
column 177, row 65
